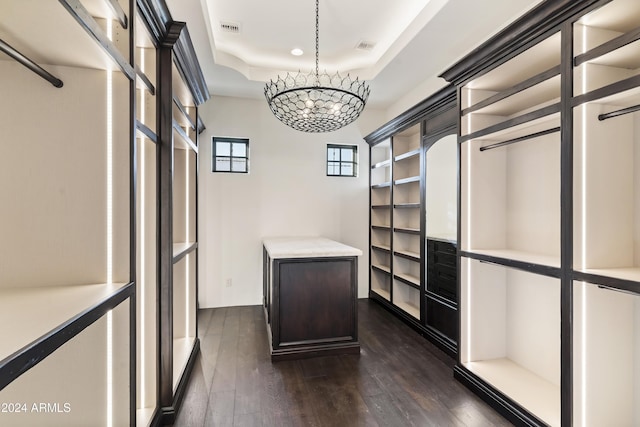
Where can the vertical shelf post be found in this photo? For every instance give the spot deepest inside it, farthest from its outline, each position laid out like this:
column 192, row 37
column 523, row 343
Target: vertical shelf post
column 164, row 209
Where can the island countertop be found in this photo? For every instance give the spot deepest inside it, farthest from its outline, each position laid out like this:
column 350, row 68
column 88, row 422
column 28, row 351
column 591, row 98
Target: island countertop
column 307, row 247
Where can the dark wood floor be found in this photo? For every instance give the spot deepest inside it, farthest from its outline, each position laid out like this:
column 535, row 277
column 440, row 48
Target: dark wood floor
column 399, row 379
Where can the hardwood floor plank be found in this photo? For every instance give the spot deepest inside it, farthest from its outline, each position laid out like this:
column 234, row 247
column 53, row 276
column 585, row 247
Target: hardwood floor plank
column 399, row 379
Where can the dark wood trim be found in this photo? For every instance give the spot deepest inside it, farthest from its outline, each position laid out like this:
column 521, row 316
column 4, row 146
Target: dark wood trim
column 159, row 22
column 169, row 413
column 184, row 112
column 612, row 283
column 133, row 226
column 145, row 80
column 201, row 126
column 407, row 282
column 406, row 230
column 534, row 26
column 177, row 257
column 431, row 106
column 27, row 357
column 407, row 155
column 611, row 45
column 408, row 180
column 119, row 13
column 407, row 205
column 380, row 206
column 530, row 82
column 146, row 131
column 407, row 255
column 441, row 300
column 459, row 212
column 566, row 228
column 188, row 67
column 165, row 211
column 603, row 92
column 530, row 267
column 381, row 227
column 497, row 400
column 522, row 119
column 86, row 21
column 381, row 269
column 154, row 14
column 185, row 137
column 386, row 249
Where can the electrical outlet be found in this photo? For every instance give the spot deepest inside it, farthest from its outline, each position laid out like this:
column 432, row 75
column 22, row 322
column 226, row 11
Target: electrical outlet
column 228, row 283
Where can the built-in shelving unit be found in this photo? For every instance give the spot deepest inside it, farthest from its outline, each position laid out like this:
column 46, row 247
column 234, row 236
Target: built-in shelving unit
column 380, row 234
column 606, row 207
column 406, row 219
column 400, row 204
column 550, row 231
column 66, row 289
column 82, row 177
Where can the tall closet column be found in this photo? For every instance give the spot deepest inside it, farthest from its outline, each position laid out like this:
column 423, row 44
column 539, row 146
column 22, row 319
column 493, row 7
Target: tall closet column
column 165, row 204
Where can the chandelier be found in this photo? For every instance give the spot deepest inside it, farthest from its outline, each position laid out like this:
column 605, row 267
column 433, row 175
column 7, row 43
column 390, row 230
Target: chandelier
column 316, row 102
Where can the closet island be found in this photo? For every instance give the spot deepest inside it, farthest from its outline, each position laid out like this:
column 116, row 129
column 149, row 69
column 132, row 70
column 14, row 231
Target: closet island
column 310, row 296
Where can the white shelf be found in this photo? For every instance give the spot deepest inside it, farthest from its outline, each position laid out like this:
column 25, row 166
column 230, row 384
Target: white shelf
column 37, row 311
column 384, row 294
column 630, row 273
column 412, row 310
column 409, row 278
column 512, row 254
column 144, row 416
column 182, row 348
column 382, row 267
column 539, row 396
column 179, row 248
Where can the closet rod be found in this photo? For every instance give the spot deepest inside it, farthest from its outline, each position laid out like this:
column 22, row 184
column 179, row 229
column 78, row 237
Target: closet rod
column 522, row 138
column 617, row 113
column 6, row 48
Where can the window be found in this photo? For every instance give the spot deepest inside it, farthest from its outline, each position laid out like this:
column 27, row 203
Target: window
column 342, row 160
column 230, row 155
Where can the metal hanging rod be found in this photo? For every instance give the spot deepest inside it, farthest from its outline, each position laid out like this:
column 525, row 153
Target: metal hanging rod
column 617, row 113
column 6, row 48
column 522, row 138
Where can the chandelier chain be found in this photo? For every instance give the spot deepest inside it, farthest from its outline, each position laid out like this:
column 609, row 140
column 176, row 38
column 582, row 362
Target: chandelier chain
column 317, row 39
column 316, row 102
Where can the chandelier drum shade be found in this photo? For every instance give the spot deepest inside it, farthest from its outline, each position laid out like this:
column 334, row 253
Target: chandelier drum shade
column 316, row 102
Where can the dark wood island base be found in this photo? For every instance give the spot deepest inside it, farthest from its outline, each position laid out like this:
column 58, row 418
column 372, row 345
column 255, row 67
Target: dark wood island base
column 310, row 297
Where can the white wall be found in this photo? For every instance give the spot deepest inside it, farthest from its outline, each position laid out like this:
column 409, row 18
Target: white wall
column 286, row 193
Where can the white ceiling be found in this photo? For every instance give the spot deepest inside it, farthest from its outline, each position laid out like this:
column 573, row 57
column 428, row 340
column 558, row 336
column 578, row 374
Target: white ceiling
column 414, row 40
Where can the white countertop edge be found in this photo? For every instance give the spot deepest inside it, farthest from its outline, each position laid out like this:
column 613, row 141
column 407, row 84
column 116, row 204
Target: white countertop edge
column 307, row 247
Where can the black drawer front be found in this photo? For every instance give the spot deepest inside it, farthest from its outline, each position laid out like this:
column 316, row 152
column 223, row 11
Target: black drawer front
column 440, row 246
column 442, row 318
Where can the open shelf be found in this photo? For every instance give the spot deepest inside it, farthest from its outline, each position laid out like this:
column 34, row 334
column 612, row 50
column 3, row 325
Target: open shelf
column 381, row 282
column 97, row 359
column 25, row 306
column 534, row 393
column 407, row 298
column 510, row 337
column 410, row 255
column 606, row 339
column 406, row 144
column 379, row 247
column 510, row 198
column 523, row 89
column 606, row 196
column 606, row 42
column 182, row 348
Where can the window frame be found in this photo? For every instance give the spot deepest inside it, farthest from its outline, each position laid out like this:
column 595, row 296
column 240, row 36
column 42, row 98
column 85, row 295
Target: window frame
column 340, row 162
column 230, row 157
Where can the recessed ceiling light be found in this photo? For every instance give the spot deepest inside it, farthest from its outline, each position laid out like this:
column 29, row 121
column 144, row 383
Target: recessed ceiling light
column 296, row 52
